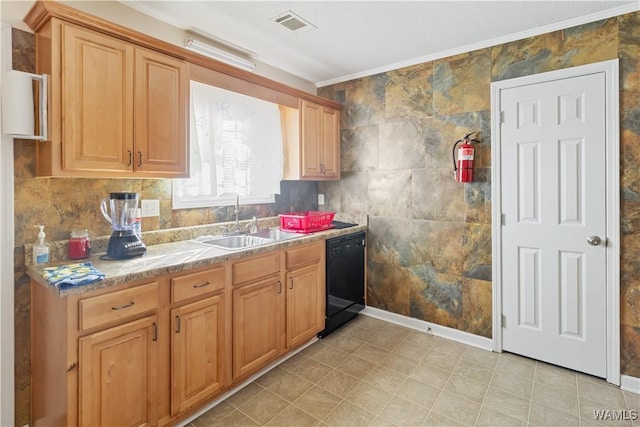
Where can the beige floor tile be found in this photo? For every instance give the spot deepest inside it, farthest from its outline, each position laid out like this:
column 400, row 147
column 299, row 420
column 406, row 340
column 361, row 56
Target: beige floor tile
column 444, row 361
column 516, row 366
column 360, row 334
column 371, row 353
column 429, row 375
column 381, row 422
column 411, row 351
column 293, row 362
column 404, row 413
column 386, row 342
column 451, row 348
column 330, row 356
column 544, row 416
column 518, row 386
column 213, row 415
column 369, row 397
column 293, row 417
column 348, row 414
column 236, row 419
column 596, row 412
column 490, row 418
column 246, row 393
column 345, row 343
column 424, row 340
column 399, row 363
column 396, row 330
column 271, row 376
column 633, row 401
column 508, row 404
column 289, row 387
column 338, row 383
column 481, row 357
column 370, row 323
column 437, row 420
column 473, row 371
column 556, row 398
column 317, row 402
column 457, row 408
column 556, row 377
column 356, row 367
column 417, row 392
column 263, row 407
column 386, row 379
column 312, row 370
column 600, row 391
column 466, row 387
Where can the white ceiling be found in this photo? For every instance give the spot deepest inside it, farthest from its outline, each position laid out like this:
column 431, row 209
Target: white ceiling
column 358, row 38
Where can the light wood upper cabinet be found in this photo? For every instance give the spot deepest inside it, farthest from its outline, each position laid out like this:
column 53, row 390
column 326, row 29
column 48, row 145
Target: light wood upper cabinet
column 116, row 109
column 160, row 106
column 311, row 142
column 118, row 369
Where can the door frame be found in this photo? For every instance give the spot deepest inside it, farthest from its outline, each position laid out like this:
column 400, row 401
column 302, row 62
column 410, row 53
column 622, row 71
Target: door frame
column 612, row 171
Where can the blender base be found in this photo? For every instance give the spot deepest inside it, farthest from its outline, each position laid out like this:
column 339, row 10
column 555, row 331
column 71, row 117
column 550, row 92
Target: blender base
column 125, row 244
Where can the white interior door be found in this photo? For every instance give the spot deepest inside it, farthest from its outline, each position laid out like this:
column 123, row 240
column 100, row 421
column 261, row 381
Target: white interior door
column 553, row 162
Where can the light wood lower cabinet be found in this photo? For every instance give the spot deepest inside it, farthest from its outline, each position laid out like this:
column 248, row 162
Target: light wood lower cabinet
column 258, row 325
column 198, row 352
column 117, row 375
column 152, row 352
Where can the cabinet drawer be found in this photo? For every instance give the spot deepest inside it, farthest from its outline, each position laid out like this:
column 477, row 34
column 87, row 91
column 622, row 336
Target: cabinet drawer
column 256, row 268
column 298, row 257
column 109, row 308
column 196, row 284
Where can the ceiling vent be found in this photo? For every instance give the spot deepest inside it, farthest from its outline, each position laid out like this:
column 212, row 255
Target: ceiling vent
column 293, row 22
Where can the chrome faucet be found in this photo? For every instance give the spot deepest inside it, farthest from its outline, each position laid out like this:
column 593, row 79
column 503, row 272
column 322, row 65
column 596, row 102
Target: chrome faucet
column 237, row 212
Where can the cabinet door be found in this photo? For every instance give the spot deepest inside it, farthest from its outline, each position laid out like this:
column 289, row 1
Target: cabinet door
column 97, row 101
column 305, row 304
column 198, row 347
column 117, row 375
column 161, row 99
column 330, row 147
column 258, row 325
column 311, row 130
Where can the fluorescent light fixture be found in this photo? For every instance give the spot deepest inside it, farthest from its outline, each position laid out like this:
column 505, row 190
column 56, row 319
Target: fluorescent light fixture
column 219, row 54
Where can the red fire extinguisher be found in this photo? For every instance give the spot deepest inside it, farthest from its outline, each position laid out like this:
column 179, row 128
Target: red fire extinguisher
column 463, row 167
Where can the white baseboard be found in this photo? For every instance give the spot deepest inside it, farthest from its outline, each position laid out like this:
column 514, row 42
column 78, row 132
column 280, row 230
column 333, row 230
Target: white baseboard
column 629, row 383
column 432, row 328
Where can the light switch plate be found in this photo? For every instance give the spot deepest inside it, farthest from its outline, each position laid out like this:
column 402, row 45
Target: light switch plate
column 150, row 207
column 321, row 199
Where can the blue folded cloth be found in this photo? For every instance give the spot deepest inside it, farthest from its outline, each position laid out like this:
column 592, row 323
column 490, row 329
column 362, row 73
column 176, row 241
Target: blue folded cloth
column 65, row 276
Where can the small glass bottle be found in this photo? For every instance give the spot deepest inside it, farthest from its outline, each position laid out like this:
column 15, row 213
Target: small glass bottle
column 79, row 244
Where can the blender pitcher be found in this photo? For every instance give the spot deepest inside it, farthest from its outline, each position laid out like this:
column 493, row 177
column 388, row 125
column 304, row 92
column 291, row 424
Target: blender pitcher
column 119, row 209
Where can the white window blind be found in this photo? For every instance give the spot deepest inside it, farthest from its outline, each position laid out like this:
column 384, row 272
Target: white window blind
column 236, row 148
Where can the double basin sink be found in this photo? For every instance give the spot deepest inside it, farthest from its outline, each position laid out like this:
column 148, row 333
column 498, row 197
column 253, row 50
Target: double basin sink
column 243, row 241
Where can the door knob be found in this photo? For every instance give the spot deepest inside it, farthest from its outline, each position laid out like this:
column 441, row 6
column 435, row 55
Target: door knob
column 594, row 240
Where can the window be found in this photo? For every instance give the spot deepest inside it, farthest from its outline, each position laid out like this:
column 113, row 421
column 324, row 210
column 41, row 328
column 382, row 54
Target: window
column 236, row 148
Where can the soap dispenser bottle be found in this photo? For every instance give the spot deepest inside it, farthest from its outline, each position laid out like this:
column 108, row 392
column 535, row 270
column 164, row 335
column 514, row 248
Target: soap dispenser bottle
column 40, row 248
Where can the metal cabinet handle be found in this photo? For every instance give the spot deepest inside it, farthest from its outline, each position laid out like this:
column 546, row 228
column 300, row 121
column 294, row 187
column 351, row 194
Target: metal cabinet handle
column 139, row 158
column 177, row 324
column 201, row 285
column 291, row 287
column 130, row 157
column 123, row 306
column 279, row 286
column 594, row 240
column 155, row 331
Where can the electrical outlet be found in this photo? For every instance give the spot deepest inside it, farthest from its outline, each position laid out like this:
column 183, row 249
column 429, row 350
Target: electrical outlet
column 150, row 207
column 321, row 199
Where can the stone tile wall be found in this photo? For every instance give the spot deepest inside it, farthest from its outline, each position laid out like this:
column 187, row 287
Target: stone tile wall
column 430, row 237
column 66, row 203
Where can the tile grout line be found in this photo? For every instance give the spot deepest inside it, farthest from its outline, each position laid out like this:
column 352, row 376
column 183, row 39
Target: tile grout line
column 493, row 373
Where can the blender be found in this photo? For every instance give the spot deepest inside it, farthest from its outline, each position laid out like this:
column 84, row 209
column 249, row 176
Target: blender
column 120, row 210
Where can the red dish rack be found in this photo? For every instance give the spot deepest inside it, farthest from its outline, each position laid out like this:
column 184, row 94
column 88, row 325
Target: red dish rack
column 306, row 222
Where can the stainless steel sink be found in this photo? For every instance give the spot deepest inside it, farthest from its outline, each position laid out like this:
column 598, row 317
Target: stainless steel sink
column 243, row 241
column 275, row 234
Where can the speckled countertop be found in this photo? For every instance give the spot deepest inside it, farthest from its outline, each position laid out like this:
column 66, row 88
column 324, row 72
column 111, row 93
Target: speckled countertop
column 172, row 257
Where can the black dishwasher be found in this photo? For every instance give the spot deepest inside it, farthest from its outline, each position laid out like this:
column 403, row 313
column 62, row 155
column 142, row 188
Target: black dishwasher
column 345, row 280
